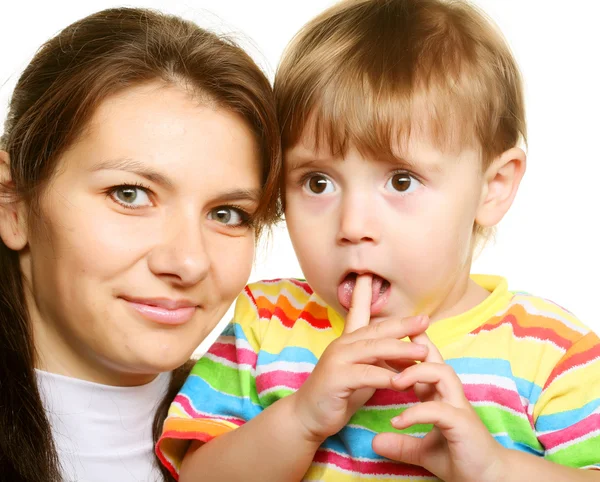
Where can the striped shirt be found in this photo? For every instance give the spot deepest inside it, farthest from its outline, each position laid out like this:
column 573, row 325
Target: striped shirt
column 529, row 368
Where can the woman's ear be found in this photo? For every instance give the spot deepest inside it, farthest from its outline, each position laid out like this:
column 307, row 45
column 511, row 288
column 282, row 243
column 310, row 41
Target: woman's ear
column 501, row 182
column 13, row 221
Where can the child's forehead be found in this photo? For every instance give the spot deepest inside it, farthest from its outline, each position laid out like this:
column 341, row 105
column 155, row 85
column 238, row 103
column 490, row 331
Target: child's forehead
column 416, row 152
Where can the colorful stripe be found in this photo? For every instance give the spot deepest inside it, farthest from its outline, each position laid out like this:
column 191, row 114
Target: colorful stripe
column 530, row 369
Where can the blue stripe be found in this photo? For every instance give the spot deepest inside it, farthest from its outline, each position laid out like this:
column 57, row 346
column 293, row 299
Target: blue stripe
column 559, row 421
column 509, row 443
column 353, row 441
column 205, row 398
column 495, row 366
column 294, row 354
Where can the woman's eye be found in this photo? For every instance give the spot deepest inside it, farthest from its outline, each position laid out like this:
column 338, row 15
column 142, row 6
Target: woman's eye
column 319, row 184
column 131, row 196
column 229, row 216
column 403, row 183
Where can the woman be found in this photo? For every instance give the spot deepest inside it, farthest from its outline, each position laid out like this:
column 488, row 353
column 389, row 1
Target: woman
column 138, row 165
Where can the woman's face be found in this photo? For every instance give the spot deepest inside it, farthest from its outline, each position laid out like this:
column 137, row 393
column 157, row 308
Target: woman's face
column 144, row 239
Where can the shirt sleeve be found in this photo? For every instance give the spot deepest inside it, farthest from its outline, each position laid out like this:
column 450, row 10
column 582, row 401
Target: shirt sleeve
column 567, row 414
column 220, row 393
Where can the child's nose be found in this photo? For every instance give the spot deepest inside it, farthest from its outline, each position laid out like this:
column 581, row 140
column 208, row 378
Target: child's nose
column 358, row 222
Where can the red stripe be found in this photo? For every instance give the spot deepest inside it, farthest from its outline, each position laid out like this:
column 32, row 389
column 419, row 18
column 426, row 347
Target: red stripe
column 163, row 459
column 317, row 323
column 541, row 333
column 391, row 397
column 375, row 468
column 301, row 284
column 248, row 292
column 573, row 361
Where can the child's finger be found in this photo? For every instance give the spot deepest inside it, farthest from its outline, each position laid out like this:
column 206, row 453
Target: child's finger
column 398, row 328
column 372, row 351
column 434, row 354
column 359, row 314
column 399, row 447
column 445, row 379
column 443, row 415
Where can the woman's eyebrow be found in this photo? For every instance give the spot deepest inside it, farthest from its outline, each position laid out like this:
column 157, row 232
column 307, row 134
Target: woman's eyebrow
column 251, row 195
column 135, row 167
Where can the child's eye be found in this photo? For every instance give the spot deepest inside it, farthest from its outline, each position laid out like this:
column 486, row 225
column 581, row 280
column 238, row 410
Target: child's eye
column 229, row 216
column 318, row 184
column 402, row 182
column 130, row 196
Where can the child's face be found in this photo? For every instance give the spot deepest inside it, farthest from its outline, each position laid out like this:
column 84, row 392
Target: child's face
column 409, row 224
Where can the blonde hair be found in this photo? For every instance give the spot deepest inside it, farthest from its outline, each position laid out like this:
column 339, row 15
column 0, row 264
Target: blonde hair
column 367, row 73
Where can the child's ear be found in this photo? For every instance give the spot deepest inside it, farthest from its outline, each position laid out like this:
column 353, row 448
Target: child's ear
column 501, row 182
column 13, row 222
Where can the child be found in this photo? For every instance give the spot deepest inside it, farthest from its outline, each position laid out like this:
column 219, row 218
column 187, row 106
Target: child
column 400, row 126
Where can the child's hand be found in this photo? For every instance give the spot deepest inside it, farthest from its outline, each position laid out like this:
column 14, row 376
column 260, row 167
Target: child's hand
column 352, row 367
column 459, row 447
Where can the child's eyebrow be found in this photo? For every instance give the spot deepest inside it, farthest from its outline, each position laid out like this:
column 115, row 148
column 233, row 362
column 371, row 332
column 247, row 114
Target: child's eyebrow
column 299, row 161
column 303, row 163
column 402, row 163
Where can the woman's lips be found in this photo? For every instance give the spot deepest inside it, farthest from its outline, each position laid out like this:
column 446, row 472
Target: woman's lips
column 163, row 315
column 379, row 295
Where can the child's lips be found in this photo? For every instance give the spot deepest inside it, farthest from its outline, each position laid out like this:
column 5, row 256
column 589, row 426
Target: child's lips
column 380, row 290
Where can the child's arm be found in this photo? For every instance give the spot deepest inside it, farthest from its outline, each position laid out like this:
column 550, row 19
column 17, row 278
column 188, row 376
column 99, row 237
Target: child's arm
column 270, row 447
column 279, row 444
column 460, row 448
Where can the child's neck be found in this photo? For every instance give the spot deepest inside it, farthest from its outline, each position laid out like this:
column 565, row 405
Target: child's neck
column 465, row 295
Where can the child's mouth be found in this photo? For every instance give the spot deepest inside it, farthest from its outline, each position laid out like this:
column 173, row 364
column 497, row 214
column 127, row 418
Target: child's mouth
column 379, row 286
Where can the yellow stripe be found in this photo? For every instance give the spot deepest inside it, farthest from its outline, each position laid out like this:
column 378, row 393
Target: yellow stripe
column 566, row 393
column 502, row 345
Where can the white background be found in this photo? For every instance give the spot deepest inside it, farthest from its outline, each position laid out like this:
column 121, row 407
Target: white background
column 548, row 243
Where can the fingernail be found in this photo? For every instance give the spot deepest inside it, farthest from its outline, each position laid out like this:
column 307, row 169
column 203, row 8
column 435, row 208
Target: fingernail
column 397, row 376
column 396, row 420
column 422, row 348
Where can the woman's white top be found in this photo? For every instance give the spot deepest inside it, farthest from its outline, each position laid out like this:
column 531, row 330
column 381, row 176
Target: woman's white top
column 103, row 433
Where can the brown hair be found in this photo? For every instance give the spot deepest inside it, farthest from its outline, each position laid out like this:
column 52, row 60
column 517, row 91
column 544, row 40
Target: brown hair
column 53, row 101
column 365, row 73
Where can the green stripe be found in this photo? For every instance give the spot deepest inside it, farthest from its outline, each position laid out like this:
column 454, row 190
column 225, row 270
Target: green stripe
column 239, row 383
column 580, row 454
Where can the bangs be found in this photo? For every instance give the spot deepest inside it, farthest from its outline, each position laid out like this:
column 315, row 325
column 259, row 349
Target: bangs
column 350, row 111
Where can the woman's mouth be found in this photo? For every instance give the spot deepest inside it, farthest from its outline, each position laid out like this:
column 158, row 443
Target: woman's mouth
column 380, row 291
column 162, row 310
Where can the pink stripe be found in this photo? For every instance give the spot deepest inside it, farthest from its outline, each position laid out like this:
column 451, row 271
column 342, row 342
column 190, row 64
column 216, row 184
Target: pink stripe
column 229, row 352
column 581, row 428
column 482, row 392
column 276, row 378
column 186, row 405
column 383, row 467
